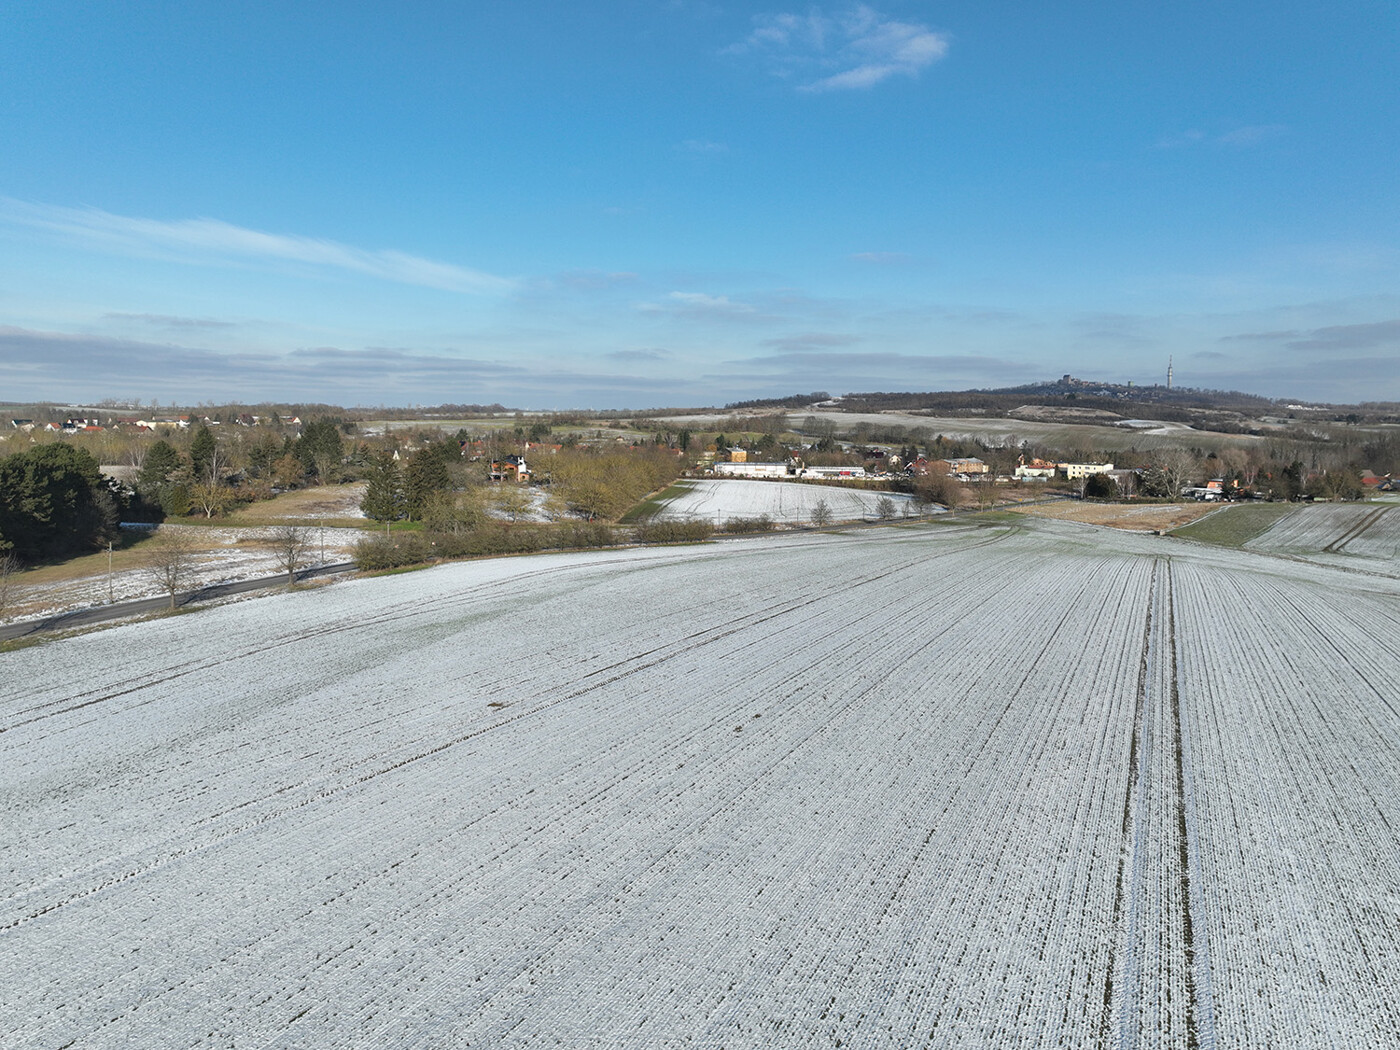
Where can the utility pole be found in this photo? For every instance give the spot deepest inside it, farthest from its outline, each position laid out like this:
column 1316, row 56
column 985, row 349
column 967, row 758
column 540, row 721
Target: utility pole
column 109, row 572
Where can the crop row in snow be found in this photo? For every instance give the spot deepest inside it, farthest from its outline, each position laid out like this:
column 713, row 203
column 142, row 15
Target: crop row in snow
column 782, row 501
column 1359, row 533
column 1028, row 787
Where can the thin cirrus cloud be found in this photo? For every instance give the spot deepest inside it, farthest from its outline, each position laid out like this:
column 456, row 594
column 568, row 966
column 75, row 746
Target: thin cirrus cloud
column 882, row 258
column 168, row 321
column 702, row 146
column 214, row 242
column 1376, row 335
column 806, row 341
column 92, row 366
column 700, row 305
column 845, row 52
column 1249, row 135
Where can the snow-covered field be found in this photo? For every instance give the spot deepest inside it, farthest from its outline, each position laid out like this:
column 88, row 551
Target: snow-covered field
column 947, row 787
column 1357, row 534
column 783, row 501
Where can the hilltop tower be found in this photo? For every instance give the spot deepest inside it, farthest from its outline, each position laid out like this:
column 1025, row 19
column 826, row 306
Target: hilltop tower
column 1169, row 371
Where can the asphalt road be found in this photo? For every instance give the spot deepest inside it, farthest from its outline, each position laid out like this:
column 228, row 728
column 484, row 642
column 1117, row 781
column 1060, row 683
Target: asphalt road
column 101, row 613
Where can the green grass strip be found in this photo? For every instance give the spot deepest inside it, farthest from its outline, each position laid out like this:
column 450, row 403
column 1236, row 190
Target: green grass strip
column 1235, row 526
column 653, row 504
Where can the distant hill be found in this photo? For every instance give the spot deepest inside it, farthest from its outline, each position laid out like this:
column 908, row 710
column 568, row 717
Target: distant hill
column 1072, row 400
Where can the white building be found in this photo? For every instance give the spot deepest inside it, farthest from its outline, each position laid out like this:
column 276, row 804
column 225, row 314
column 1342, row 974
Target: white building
column 1076, row 471
column 833, row 472
column 752, row 470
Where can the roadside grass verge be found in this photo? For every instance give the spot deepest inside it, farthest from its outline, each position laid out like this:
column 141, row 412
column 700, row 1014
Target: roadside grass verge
column 1235, row 526
column 655, row 502
column 125, row 555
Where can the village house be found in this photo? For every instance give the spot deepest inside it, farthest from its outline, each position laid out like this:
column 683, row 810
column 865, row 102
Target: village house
column 509, row 468
column 1035, row 470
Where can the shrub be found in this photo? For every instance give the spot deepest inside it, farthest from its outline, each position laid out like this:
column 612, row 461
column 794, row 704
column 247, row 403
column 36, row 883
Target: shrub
column 762, row 523
column 383, row 552
column 673, row 531
column 586, row 534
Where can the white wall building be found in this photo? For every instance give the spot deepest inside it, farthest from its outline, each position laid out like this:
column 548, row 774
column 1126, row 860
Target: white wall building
column 752, row 470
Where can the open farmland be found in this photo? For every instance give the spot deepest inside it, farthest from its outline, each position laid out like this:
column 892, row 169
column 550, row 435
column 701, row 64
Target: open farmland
column 784, row 501
column 949, row 787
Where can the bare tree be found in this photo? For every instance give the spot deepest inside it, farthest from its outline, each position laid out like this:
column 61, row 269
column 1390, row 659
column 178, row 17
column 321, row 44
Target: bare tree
column 821, row 513
column 1178, row 467
column 170, row 561
column 938, row 488
column 9, row 569
column 291, row 544
column 211, row 497
column 884, row 508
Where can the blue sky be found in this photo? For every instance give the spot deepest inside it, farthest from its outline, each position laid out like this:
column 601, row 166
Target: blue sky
column 638, row 203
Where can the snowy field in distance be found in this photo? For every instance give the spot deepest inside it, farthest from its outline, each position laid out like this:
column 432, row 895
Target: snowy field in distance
column 1362, row 535
column 945, row 786
column 783, row 501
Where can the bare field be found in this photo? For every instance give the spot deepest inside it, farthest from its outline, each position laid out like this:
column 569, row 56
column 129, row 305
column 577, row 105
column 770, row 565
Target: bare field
column 1150, row 517
column 338, row 504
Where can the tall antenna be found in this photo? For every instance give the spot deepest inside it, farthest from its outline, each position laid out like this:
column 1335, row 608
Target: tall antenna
column 1169, row 371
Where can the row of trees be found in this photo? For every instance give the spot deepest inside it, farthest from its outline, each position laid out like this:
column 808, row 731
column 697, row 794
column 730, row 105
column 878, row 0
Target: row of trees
column 203, row 477
column 171, row 556
column 437, row 487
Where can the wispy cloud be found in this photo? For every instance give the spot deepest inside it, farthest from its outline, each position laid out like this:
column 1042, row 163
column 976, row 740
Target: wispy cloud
column 1242, row 137
column 44, row 365
column 700, row 305
column 702, row 146
column 812, row 340
column 1252, row 135
column 850, row 51
column 642, row 354
column 877, row 369
column 882, row 258
column 168, row 321
column 1372, row 336
column 214, row 242
column 596, row 280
